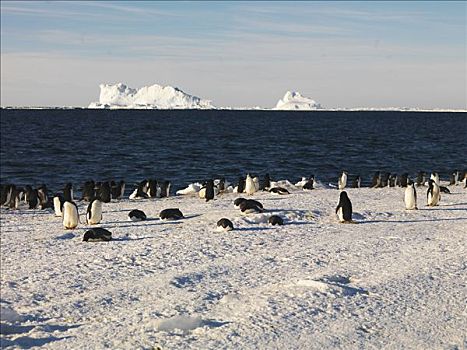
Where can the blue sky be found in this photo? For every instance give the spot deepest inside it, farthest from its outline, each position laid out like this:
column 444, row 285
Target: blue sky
column 342, row 54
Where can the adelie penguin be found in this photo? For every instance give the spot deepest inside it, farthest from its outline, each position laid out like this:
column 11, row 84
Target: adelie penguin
column 276, row 220
column 375, row 180
column 249, row 185
column 105, row 192
column 140, row 191
column 43, row 197
column 68, row 192
column 241, row 185
column 224, row 225
column 97, row 234
column 266, row 183
column 420, row 179
column 165, row 189
column 70, row 215
column 344, row 208
column 209, row 194
column 435, row 177
column 58, row 201
column 137, row 215
column 33, row 199
column 309, row 184
column 153, row 189
column 94, row 212
column 433, row 193
column 89, row 191
column 171, row 214
column 403, row 180
column 342, row 182
column 357, row 182
column 250, row 206
column 410, row 196
column 279, row 190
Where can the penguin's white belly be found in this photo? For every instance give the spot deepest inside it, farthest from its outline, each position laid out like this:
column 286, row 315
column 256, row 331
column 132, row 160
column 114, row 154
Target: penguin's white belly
column 433, row 199
column 70, row 216
column 202, row 193
column 95, row 215
column 342, row 182
column 249, row 186
column 57, row 209
column 340, row 214
column 409, row 199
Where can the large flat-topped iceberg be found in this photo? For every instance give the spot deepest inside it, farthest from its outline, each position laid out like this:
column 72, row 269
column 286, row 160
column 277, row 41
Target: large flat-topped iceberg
column 295, row 101
column 148, row 97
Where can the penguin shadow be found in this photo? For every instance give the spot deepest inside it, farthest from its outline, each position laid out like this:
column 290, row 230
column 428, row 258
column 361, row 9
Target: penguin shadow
column 126, row 239
column 247, row 229
column 409, row 221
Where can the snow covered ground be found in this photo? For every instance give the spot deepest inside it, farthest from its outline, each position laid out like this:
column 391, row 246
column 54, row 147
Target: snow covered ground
column 397, row 279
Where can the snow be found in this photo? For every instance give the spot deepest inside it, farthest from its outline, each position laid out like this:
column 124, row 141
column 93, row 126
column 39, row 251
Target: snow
column 295, row 101
column 396, row 279
column 148, row 97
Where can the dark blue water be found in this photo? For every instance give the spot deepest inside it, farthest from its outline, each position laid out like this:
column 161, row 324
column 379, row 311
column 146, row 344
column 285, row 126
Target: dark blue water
column 58, row 146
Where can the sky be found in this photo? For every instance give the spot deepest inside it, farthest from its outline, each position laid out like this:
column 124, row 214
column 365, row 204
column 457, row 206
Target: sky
column 239, row 54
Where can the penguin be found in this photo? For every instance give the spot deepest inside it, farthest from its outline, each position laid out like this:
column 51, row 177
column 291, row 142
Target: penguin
column 70, row 215
column 68, row 192
column 454, row 178
column 94, row 212
column 344, row 208
column 89, row 191
column 309, row 184
column 202, row 191
column 357, row 182
column 221, row 185
column 9, row 190
column 420, row 179
column 464, row 179
column 444, row 189
column 410, row 197
column 152, row 188
column 58, row 204
column 392, row 180
column 14, row 198
column 384, row 182
column 249, row 185
column 241, row 184
column 137, row 215
column 165, row 189
column 238, row 201
column 33, row 200
column 266, row 183
column 140, row 191
column 42, row 195
column 113, row 189
column 171, row 214
column 256, row 183
column 342, row 182
column 433, row 193
column 209, row 190
column 250, row 206
column 97, row 234
column 5, row 189
column 435, row 177
column 27, row 191
column 105, row 192
column 403, row 180
column 375, row 180
column 279, row 190
column 276, row 220
column 224, row 225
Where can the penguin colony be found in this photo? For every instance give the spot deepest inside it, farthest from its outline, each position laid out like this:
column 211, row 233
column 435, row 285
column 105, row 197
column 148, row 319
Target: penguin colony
column 99, row 193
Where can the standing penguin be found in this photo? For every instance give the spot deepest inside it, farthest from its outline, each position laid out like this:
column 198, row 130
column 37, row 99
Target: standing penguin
column 266, row 185
column 70, row 215
column 121, row 189
column 152, row 188
column 375, row 180
column 58, row 204
column 33, row 200
column 42, row 194
column 241, row 185
column 89, row 191
column 309, row 184
column 94, row 212
column 105, row 192
column 421, row 179
column 209, row 194
column 357, row 182
column 165, row 189
column 342, row 182
column 403, row 180
column 68, row 192
column 249, row 185
column 435, row 177
column 433, row 193
column 410, row 197
column 344, row 208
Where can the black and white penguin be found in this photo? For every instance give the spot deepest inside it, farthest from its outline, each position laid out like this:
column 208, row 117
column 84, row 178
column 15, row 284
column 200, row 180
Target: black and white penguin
column 140, row 191
column 4, row 192
column 357, row 181
column 137, row 215
column 241, row 185
column 209, row 194
column 421, row 179
column 224, row 225
column 94, row 212
column 104, row 194
column 444, row 189
column 433, row 193
column 14, row 198
column 266, row 184
column 344, row 208
column 279, row 190
column 384, row 181
column 435, row 177
column 42, row 194
column 121, row 189
column 454, row 178
column 8, row 192
column 113, row 189
column 27, row 191
column 309, row 184
column 342, row 182
column 152, row 188
column 97, row 234
column 70, row 215
column 410, row 196
column 250, row 187
column 33, row 199
column 238, row 201
column 375, row 180
column 276, row 220
column 251, row 206
column 88, row 192
column 165, row 189
column 403, row 180
column 171, row 214
column 58, row 201
column 392, row 180
column 221, row 185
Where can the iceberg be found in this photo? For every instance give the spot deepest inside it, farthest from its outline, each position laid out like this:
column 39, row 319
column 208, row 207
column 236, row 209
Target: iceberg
column 295, row 101
column 114, row 96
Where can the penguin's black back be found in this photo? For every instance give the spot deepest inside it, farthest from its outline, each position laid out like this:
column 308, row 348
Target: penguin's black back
column 209, row 190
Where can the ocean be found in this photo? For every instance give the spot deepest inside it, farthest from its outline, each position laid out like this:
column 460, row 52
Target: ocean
column 57, row 146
